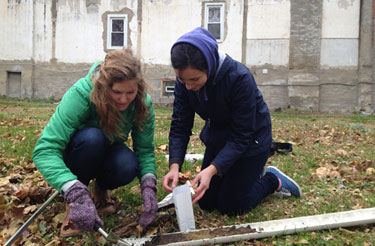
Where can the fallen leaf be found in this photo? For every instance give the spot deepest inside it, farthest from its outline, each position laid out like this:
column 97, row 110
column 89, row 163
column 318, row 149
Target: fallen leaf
column 303, row 241
column 136, row 189
column 163, row 147
column 185, row 176
column 370, row 171
column 58, row 219
column 17, row 211
column 341, row 152
column 327, row 173
column 357, row 206
column 322, row 133
column 151, row 231
column 34, row 228
column 139, row 228
column 56, row 242
column 4, row 181
column 198, row 169
column 29, row 209
column 22, row 192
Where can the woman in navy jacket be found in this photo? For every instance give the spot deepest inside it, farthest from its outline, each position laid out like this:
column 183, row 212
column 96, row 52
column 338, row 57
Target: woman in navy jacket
column 237, row 132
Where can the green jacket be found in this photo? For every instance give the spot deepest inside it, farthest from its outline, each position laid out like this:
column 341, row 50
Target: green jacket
column 75, row 112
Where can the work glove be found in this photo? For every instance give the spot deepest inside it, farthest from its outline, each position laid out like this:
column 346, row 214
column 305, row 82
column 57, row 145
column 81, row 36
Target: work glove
column 150, row 206
column 82, row 213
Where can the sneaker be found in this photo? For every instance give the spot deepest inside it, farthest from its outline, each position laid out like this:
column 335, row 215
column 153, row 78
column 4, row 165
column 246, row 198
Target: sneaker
column 289, row 187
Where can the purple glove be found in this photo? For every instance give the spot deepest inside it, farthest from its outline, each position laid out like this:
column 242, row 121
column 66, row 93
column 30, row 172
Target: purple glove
column 83, row 213
column 150, row 206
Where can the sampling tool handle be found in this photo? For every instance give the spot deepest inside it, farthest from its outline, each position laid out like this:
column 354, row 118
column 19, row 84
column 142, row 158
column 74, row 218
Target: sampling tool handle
column 111, row 237
column 99, row 229
column 27, row 223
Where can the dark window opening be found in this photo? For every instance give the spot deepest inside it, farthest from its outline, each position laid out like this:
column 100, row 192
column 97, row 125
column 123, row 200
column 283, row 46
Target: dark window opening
column 13, row 84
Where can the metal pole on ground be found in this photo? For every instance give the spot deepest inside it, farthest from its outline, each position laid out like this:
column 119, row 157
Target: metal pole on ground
column 31, row 219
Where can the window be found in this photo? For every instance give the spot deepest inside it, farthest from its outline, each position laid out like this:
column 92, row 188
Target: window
column 117, row 31
column 214, row 19
column 167, row 87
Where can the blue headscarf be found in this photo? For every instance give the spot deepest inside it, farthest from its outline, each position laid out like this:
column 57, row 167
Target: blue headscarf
column 206, row 43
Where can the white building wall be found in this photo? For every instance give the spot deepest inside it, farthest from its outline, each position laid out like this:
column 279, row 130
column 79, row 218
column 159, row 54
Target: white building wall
column 268, row 32
column 78, row 33
column 16, row 30
column 42, row 39
column 232, row 43
column 340, row 33
column 58, row 51
column 162, row 23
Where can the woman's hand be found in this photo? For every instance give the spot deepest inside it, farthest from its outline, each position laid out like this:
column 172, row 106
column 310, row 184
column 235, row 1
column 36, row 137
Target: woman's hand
column 82, row 211
column 150, row 205
column 204, row 178
column 171, row 178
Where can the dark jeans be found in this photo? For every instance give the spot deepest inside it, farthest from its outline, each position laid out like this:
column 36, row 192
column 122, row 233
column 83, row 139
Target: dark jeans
column 90, row 155
column 241, row 189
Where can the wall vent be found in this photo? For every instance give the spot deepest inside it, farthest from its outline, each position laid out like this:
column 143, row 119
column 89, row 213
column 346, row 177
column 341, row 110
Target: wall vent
column 167, row 86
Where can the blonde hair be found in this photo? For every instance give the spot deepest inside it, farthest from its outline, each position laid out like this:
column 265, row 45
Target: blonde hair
column 118, row 66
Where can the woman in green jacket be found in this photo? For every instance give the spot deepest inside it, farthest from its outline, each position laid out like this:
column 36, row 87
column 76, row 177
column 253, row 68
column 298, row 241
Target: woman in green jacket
column 86, row 137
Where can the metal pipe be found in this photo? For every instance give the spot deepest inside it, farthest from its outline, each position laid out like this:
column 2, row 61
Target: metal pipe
column 373, row 57
column 27, row 223
column 290, row 226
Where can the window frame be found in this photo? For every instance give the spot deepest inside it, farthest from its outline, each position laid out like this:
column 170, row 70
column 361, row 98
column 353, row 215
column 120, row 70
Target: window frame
column 110, row 18
column 206, row 15
column 166, row 87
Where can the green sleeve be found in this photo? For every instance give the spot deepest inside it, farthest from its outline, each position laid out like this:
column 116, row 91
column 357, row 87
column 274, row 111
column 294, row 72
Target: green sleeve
column 71, row 112
column 143, row 141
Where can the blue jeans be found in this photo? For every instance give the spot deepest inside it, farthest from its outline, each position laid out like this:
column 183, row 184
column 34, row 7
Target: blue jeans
column 240, row 189
column 90, row 155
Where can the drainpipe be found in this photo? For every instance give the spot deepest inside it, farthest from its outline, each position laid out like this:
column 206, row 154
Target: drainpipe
column 283, row 227
column 139, row 19
column 373, row 58
column 54, row 20
column 244, row 32
column 33, row 54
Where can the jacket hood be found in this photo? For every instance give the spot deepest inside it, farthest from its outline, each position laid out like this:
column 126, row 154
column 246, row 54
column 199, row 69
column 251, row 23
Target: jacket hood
column 206, row 43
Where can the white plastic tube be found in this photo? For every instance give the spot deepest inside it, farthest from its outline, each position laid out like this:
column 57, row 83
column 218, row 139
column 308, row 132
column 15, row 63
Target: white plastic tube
column 290, row 226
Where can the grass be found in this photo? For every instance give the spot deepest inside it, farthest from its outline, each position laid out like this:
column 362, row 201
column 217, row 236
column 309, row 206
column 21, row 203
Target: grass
column 343, row 146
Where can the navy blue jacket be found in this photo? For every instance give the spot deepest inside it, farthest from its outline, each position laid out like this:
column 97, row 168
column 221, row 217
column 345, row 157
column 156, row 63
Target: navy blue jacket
column 237, row 119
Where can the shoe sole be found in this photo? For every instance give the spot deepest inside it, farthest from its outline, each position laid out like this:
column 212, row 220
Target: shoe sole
column 289, row 178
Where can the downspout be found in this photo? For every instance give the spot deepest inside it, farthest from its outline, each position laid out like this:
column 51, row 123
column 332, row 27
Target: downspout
column 54, row 19
column 33, row 52
column 373, row 58
column 244, row 31
column 139, row 19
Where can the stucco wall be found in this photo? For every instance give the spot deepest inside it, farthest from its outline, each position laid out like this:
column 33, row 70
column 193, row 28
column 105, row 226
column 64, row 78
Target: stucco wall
column 268, row 33
column 16, row 25
column 313, row 55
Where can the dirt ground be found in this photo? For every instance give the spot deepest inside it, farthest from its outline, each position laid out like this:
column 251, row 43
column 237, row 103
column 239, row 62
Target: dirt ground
column 198, row 235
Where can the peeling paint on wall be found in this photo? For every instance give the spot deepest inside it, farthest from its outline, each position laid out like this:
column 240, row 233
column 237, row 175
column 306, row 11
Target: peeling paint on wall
column 345, row 4
column 92, row 6
column 265, row 2
column 53, row 19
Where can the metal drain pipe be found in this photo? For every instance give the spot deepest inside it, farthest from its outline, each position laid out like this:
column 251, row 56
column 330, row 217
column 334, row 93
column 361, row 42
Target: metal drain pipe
column 287, row 226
